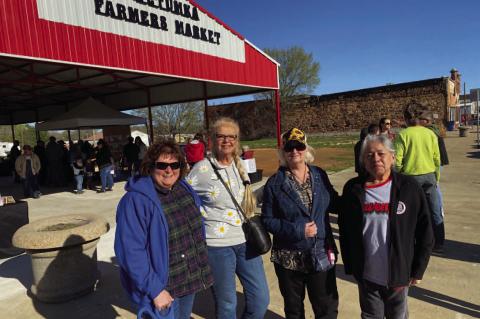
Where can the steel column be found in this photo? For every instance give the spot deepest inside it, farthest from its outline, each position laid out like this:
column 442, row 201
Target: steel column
column 150, row 120
column 279, row 125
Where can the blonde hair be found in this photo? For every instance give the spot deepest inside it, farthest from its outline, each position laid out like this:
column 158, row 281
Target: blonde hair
column 249, row 202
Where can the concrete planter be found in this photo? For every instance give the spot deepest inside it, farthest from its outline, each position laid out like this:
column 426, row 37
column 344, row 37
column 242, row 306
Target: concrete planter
column 64, row 255
column 463, row 131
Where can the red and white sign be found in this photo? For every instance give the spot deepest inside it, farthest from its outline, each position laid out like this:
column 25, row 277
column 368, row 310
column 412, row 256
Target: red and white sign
column 175, row 38
column 170, row 22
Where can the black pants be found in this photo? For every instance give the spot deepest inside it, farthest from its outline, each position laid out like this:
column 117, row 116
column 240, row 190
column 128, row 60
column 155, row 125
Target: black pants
column 322, row 292
column 378, row 302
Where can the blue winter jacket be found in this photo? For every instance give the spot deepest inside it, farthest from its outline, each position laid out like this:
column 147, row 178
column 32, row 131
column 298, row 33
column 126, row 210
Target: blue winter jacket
column 141, row 240
column 284, row 215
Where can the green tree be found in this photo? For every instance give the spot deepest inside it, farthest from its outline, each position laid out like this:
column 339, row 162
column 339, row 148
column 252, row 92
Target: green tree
column 298, row 73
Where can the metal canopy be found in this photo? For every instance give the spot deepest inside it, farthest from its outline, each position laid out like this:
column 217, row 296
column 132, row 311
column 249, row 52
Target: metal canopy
column 33, row 91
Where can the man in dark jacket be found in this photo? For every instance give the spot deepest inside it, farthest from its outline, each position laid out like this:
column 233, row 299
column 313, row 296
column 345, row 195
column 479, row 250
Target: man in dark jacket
column 385, row 233
column 130, row 155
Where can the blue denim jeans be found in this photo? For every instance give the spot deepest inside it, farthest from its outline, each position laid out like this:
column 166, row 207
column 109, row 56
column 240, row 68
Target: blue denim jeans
column 182, row 307
column 106, row 178
column 429, row 186
column 225, row 262
column 79, row 182
column 30, row 186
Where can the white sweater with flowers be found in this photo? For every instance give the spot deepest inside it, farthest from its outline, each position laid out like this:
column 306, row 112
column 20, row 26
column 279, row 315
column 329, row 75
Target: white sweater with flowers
column 222, row 220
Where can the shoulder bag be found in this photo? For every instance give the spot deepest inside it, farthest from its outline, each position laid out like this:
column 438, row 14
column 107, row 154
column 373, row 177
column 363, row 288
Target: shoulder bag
column 255, row 234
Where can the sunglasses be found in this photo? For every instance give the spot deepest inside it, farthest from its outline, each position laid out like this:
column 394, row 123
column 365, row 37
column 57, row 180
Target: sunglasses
column 387, row 123
column 163, row 166
column 289, row 147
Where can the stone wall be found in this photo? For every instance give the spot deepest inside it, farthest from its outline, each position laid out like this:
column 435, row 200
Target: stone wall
column 342, row 112
column 356, row 109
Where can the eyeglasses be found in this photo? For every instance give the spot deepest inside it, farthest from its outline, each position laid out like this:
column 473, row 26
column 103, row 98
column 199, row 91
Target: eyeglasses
column 227, row 138
column 298, row 146
column 387, row 123
column 163, row 166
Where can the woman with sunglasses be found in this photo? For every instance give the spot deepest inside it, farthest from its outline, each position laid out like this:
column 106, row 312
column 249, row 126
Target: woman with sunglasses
column 296, row 202
column 227, row 252
column 386, row 128
column 160, row 240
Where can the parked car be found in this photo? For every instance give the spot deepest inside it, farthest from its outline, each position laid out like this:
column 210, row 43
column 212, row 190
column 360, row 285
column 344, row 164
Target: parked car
column 5, row 149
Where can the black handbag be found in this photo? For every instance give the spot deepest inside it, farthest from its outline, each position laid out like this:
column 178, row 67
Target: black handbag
column 255, row 234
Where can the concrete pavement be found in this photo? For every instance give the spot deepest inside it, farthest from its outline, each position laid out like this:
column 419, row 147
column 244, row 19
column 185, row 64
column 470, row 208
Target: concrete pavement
column 450, row 288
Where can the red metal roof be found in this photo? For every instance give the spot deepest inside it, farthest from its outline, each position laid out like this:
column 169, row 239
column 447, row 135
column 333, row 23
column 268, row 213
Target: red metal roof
column 55, row 53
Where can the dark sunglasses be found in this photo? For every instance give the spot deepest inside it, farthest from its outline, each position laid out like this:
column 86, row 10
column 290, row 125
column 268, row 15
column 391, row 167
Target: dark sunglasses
column 289, row 147
column 163, row 166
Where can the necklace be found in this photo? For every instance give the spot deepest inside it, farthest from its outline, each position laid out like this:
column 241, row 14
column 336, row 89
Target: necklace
column 303, row 178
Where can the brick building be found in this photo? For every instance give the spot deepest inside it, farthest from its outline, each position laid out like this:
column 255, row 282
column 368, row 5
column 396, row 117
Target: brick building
column 348, row 111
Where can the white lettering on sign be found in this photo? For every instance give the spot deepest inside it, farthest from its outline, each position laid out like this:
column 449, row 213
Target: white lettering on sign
column 169, row 22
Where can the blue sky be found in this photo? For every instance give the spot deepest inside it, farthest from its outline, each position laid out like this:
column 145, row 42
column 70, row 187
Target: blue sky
column 365, row 43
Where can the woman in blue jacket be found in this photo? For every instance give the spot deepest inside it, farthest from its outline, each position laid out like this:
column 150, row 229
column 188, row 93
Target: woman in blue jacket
column 296, row 202
column 160, row 237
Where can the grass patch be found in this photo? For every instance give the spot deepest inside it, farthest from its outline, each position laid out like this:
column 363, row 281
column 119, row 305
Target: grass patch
column 338, row 141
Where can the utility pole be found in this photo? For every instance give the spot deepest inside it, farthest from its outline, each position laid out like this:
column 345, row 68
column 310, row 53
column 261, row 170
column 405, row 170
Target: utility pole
column 464, row 104
column 478, row 118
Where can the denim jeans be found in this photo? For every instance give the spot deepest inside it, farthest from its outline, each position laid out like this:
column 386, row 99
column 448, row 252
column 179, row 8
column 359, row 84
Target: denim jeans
column 79, row 182
column 429, row 186
column 106, row 178
column 182, row 307
column 30, row 185
column 225, row 262
column 378, row 302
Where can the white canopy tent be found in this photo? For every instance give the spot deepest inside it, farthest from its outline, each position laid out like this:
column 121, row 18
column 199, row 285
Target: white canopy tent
column 89, row 114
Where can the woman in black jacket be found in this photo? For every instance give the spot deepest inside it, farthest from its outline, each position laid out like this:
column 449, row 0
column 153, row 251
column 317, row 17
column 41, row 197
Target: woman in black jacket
column 385, row 232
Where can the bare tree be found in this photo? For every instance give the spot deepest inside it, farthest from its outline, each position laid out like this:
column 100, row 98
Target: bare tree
column 174, row 119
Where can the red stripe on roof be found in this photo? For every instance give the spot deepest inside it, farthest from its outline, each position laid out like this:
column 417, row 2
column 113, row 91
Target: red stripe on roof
column 24, row 34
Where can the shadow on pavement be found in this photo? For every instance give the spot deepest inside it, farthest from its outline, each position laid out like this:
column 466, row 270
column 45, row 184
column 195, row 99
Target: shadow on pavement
column 204, row 306
column 20, row 268
column 428, row 296
column 98, row 304
column 473, row 154
column 340, row 272
column 445, row 301
column 460, row 251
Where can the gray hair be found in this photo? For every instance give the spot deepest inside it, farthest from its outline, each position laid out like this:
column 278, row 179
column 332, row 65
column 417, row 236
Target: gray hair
column 382, row 139
column 309, row 155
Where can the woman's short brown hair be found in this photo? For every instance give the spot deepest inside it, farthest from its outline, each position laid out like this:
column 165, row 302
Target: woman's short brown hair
column 165, row 147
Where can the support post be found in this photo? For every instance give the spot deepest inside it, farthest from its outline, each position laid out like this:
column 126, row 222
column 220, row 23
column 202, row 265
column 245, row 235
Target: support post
column 37, row 133
column 205, row 115
column 205, row 104
column 478, row 118
column 279, row 127
column 79, row 136
column 464, row 104
column 150, row 120
column 12, row 127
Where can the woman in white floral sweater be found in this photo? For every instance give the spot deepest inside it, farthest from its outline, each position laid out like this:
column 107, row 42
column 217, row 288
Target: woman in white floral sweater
column 227, row 250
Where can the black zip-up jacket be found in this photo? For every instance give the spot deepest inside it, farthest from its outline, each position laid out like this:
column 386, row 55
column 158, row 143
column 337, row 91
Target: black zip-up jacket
column 411, row 235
